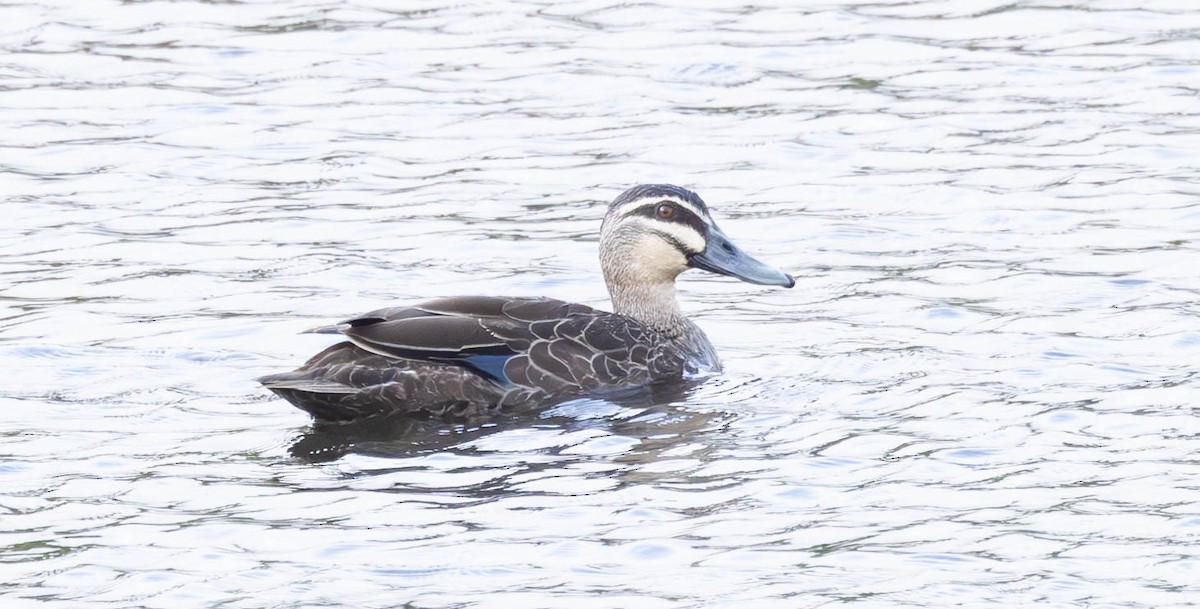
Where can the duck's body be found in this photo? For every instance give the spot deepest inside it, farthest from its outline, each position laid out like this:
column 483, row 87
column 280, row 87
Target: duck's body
column 471, row 356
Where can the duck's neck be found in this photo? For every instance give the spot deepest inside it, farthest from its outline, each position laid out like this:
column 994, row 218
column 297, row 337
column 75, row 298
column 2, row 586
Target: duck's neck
column 641, row 279
column 653, row 304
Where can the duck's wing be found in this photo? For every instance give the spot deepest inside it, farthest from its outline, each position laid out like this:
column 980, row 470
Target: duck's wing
column 480, row 332
column 462, row 306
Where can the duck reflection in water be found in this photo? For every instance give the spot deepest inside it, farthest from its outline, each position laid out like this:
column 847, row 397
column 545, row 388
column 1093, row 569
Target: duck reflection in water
column 655, row 411
column 469, row 359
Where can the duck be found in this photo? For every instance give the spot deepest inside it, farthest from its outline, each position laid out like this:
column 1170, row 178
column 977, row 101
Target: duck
column 469, row 358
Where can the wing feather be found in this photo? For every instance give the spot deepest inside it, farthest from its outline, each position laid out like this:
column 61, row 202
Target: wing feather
column 421, row 337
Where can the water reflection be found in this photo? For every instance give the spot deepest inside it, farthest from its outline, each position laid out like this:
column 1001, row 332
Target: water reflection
column 657, row 413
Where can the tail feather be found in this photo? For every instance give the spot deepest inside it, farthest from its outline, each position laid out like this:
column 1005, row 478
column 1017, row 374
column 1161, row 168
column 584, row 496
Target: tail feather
column 334, row 329
column 295, row 382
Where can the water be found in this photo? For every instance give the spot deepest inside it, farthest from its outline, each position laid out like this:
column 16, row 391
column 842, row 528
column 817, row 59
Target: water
column 982, row 391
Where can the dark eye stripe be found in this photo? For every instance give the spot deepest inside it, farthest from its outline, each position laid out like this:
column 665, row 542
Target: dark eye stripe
column 683, row 215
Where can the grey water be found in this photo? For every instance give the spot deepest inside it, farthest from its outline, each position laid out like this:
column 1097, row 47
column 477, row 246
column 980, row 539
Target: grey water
column 983, row 391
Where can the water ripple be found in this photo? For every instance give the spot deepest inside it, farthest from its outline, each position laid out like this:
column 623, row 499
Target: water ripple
column 981, row 392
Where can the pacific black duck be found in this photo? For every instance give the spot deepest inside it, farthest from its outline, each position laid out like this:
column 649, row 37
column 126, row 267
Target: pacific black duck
column 469, row 357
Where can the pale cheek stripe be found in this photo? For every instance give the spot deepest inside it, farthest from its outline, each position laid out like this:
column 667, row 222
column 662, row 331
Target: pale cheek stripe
column 685, row 234
column 681, row 232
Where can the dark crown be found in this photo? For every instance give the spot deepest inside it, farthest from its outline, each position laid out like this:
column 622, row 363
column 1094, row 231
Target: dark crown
column 645, row 191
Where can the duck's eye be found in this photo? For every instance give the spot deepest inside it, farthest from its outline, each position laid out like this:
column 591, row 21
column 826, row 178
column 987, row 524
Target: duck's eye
column 666, row 212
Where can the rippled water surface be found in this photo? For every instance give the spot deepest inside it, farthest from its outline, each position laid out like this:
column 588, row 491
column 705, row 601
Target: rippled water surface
column 982, row 392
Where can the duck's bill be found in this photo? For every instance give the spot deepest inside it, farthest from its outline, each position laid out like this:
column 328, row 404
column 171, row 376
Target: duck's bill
column 721, row 256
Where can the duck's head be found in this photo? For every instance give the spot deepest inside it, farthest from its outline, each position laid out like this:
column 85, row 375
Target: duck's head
column 654, row 232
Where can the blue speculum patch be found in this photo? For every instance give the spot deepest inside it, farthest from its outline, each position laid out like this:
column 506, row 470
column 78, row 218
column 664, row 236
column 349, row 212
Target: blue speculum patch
column 490, row 365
